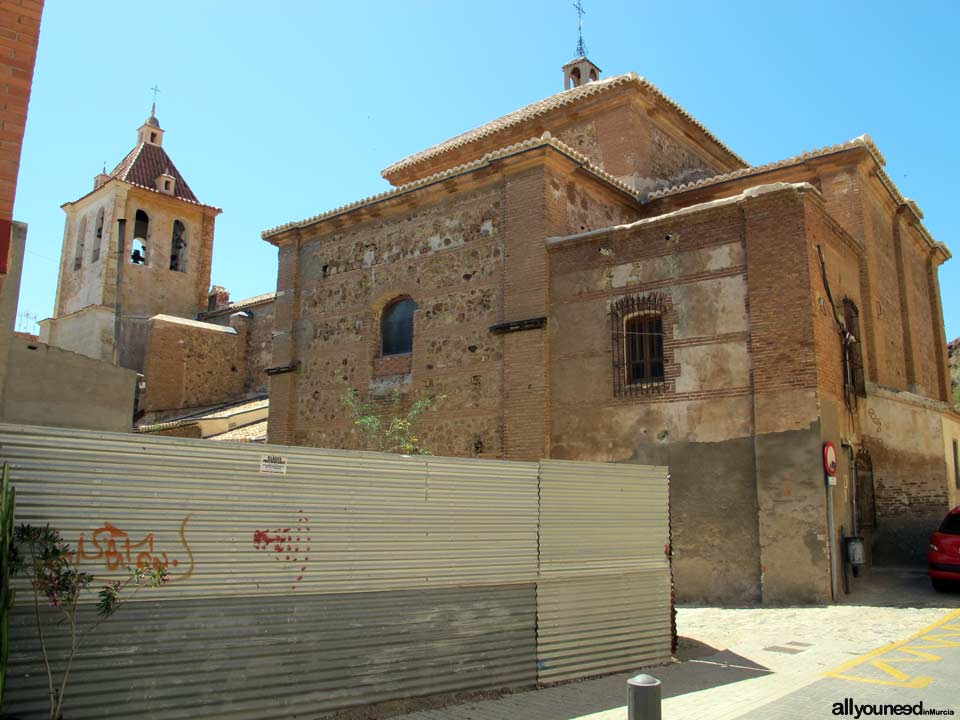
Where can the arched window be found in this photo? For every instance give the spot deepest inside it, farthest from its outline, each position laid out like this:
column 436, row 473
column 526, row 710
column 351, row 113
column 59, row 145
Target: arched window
column 81, row 238
column 396, row 328
column 638, row 357
column 141, row 232
column 178, row 247
column 97, row 237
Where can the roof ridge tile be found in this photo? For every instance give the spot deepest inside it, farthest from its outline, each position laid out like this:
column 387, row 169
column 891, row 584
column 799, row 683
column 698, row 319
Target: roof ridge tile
column 545, row 139
column 545, row 105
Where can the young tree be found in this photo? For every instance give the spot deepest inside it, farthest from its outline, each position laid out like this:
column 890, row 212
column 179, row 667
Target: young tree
column 49, row 565
column 396, row 432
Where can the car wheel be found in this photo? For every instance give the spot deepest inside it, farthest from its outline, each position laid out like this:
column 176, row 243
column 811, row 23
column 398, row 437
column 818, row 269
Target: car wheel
column 940, row 585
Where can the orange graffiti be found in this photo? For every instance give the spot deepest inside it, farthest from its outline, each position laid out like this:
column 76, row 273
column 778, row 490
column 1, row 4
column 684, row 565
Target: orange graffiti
column 117, row 550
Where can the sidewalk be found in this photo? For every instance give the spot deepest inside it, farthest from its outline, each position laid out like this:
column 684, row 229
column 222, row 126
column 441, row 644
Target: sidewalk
column 737, row 660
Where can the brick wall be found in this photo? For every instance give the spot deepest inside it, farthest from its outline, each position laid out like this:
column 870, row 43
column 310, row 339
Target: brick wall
column 446, row 255
column 258, row 354
column 188, row 365
column 614, row 129
column 700, row 423
column 842, row 260
column 19, row 35
column 894, row 272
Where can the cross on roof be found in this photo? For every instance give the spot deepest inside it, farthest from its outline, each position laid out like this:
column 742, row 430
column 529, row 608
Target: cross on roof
column 581, row 50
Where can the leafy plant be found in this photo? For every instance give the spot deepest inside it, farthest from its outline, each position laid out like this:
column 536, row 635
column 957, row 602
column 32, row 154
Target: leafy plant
column 393, row 431
column 50, row 567
column 8, row 558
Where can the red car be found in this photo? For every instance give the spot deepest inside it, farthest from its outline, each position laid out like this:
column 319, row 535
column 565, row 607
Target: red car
column 943, row 560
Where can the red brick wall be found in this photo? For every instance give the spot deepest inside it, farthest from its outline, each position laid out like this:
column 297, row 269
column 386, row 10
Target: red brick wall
column 843, row 267
column 19, row 35
column 897, row 292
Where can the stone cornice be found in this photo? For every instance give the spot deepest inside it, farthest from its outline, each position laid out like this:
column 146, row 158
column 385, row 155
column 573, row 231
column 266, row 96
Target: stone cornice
column 546, row 141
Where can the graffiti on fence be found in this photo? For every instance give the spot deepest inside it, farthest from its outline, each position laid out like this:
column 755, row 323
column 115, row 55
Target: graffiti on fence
column 289, row 544
column 115, row 549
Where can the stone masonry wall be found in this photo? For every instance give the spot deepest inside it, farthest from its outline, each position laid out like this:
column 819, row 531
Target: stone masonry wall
column 258, row 354
column 673, row 162
column 189, row 365
column 448, row 258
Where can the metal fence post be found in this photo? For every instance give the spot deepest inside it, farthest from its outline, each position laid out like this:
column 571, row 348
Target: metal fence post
column 643, row 698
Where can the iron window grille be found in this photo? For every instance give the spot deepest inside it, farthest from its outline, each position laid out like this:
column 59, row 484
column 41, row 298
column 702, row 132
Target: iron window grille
column 854, row 377
column 636, row 325
column 866, row 504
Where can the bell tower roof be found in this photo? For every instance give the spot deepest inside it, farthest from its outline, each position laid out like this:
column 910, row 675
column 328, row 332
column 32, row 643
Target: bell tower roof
column 580, row 71
column 150, row 132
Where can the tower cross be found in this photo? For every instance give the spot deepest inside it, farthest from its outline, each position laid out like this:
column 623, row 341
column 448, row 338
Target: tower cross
column 153, row 108
column 581, row 50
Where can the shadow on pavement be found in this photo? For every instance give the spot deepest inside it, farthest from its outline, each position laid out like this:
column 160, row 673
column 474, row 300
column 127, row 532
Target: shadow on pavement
column 703, row 673
column 902, row 587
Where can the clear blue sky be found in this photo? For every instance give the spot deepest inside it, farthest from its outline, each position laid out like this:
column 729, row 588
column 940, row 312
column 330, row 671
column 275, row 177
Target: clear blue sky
column 279, row 112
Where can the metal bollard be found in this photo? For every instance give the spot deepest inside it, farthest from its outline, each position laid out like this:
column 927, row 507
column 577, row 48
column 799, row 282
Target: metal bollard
column 643, row 699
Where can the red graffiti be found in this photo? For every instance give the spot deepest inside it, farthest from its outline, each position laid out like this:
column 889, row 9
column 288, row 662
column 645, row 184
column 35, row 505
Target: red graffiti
column 285, row 544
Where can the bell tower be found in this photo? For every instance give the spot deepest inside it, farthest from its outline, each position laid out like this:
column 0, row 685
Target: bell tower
column 138, row 245
column 580, row 70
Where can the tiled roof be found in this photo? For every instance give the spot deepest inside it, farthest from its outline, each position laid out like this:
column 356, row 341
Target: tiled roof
column 194, row 323
column 192, row 417
column 238, row 408
column 254, row 432
column 145, row 163
column 864, row 141
column 521, row 147
column 567, row 97
column 752, row 192
column 241, row 304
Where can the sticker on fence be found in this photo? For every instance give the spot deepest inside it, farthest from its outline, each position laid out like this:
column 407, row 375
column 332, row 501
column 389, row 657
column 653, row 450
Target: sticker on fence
column 276, row 464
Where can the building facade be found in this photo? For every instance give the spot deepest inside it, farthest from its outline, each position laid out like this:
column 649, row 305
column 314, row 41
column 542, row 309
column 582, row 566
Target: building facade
column 598, row 277
column 163, row 267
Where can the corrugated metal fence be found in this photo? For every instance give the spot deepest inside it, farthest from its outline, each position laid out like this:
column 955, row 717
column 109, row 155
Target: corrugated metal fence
column 305, row 581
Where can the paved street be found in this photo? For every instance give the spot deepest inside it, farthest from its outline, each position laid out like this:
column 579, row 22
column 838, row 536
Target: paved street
column 893, row 640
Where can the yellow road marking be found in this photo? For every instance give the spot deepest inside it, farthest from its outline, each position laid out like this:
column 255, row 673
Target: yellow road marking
column 887, row 665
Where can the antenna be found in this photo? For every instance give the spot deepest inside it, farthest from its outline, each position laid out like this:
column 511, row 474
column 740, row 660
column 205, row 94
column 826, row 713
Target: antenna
column 581, row 49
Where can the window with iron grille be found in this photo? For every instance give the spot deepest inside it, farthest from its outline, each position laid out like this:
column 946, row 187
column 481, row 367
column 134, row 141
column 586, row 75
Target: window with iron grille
column 866, row 515
column 853, row 350
column 636, row 325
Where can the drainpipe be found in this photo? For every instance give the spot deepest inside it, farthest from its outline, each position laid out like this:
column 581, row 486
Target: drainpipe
column 853, row 486
column 121, row 242
column 833, row 542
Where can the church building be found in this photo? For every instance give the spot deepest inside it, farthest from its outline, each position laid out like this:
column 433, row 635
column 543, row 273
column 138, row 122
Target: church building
column 596, row 276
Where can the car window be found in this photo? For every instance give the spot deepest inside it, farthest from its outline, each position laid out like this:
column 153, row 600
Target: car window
column 951, row 525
